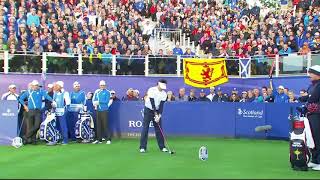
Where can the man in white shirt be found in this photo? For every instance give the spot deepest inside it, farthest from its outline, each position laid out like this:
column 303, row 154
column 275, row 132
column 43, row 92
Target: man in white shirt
column 154, row 101
column 212, row 94
column 11, row 94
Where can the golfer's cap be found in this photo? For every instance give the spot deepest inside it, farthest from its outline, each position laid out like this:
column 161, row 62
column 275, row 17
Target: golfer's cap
column 162, row 83
column 317, row 34
column 60, row 83
column 76, row 83
column 102, row 83
column 201, row 91
column 35, row 83
column 219, row 89
column 212, row 88
column 244, row 92
column 12, row 86
column 280, row 87
column 137, row 91
column 112, row 92
column 314, row 70
column 50, row 85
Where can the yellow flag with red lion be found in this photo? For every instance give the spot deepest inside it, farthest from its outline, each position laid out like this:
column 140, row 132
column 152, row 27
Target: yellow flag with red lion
column 204, row 73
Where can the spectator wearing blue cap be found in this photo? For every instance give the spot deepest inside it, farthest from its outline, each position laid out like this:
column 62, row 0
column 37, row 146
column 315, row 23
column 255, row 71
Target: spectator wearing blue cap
column 202, row 96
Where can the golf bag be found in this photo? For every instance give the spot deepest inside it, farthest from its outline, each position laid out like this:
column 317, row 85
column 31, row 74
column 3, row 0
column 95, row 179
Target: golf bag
column 299, row 143
column 84, row 126
column 48, row 129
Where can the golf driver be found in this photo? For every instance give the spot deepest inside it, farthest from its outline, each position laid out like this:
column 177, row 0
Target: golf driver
column 165, row 141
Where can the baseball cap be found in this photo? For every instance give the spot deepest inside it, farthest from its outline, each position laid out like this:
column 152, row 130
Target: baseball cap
column 280, row 87
column 112, row 92
column 244, row 92
column 60, row 83
column 102, row 83
column 163, row 84
column 12, row 86
column 50, row 85
column 35, row 83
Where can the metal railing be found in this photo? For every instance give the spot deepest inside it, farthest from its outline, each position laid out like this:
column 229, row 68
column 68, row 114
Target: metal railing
column 148, row 65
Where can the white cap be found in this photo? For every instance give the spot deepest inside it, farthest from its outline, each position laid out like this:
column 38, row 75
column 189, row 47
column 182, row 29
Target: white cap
column 112, row 92
column 76, row 83
column 60, row 83
column 280, row 87
column 102, row 83
column 212, row 87
column 12, row 86
column 162, row 85
column 137, row 91
column 50, row 85
column 314, row 70
column 34, row 83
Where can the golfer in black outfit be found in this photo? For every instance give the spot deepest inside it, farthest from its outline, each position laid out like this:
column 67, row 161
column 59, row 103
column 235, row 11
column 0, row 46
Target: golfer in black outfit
column 156, row 96
column 313, row 106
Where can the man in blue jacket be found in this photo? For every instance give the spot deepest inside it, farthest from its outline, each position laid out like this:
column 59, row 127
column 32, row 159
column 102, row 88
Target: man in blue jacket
column 33, row 109
column 279, row 96
column 101, row 101
column 78, row 99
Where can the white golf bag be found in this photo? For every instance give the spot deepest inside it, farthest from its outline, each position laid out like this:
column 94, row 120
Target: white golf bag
column 48, row 129
column 300, row 142
column 84, row 126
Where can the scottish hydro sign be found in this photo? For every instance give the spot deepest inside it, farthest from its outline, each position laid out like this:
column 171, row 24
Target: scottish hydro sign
column 8, row 121
column 248, row 117
column 251, row 113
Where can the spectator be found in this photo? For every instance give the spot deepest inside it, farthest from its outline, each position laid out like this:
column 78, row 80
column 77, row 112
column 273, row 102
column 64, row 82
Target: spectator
column 170, row 96
column 303, row 96
column 11, row 94
column 251, row 97
column 212, row 93
column 257, row 96
column 114, row 96
column 234, row 98
column 182, row 95
column 33, row 18
column 270, row 95
column 130, row 96
column 136, row 94
column 192, row 96
column 177, row 50
column 244, row 97
column 220, row 97
column 279, row 96
column 202, row 96
column 292, row 99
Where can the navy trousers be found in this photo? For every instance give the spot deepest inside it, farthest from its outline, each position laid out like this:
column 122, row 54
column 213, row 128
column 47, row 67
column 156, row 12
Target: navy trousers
column 72, row 120
column 149, row 116
column 62, row 127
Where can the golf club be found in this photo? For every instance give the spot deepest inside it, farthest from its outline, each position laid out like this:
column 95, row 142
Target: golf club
column 165, row 141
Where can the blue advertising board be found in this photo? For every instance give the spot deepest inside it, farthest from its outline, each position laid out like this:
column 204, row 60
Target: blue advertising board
column 8, row 121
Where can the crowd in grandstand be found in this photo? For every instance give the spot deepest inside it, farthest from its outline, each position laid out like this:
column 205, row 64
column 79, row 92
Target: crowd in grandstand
column 101, row 28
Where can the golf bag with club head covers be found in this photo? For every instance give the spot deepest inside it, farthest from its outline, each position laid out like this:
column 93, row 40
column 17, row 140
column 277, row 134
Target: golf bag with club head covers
column 48, row 128
column 84, row 126
column 300, row 142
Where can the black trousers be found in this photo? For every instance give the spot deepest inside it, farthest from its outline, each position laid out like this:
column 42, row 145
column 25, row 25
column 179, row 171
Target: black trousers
column 314, row 121
column 149, row 116
column 102, row 126
column 33, row 120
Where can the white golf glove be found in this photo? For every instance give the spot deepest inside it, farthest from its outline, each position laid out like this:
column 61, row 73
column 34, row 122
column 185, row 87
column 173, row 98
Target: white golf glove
column 157, row 118
column 95, row 103
column 54, row 104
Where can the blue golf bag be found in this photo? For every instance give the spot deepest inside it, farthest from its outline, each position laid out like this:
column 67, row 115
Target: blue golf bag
column 84, row 126
column 48, row 129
